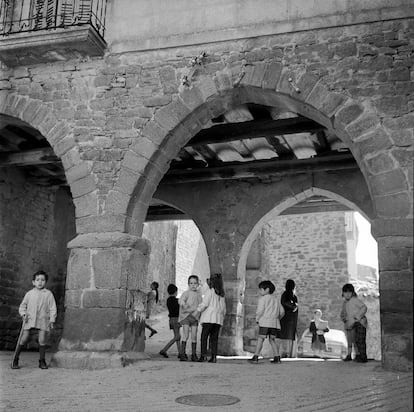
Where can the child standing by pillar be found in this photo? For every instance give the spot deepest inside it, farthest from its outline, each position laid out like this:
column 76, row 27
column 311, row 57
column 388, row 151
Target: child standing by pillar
column 353, row 315
column 173, row 312
column 189, row 316
column 38, row 310
column 268, row 314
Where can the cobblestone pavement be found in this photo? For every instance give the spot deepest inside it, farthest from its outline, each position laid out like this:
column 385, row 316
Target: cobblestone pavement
column 153, row 385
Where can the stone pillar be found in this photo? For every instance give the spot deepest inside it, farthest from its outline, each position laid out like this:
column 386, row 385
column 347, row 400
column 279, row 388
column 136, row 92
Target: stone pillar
column 395, row 249
column 104, row 307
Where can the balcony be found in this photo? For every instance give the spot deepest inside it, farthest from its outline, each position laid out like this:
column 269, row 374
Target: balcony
column 43, row 31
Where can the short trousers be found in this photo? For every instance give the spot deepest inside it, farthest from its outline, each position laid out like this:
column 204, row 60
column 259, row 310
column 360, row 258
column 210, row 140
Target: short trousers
column 269, row 332
column 174, row 324
column 190, row 320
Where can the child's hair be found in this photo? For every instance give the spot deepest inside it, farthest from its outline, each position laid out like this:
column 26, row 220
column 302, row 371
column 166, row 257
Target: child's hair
column 171, row 289
column 348, row 287
column 40, row 272
column 267, row 284
column 193, row 277
column 317, row 311
column 154, row 286
column 216, row 283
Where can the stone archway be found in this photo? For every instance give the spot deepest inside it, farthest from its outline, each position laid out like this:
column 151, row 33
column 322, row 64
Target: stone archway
column 255, row 261
column 355, row 123
column 37, row 208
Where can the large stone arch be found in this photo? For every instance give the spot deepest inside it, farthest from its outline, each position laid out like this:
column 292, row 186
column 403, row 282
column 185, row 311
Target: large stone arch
column 59, row 135
column 355, row 122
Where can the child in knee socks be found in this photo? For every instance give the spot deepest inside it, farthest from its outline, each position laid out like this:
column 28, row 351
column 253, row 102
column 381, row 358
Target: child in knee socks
column 38, row 310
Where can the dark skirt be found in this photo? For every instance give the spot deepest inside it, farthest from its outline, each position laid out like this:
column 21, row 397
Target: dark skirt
column 288, row 325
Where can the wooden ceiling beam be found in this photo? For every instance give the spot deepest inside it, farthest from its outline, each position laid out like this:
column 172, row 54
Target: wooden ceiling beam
column 253, row 129
column 262, row 168
column 33, row 157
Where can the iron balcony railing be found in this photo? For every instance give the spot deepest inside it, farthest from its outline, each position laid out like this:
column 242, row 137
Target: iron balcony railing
column 17, row 16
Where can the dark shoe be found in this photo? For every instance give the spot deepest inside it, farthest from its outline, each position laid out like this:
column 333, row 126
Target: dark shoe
column 213, row 359
column 362, row 359
column 183, row 358
column 347, row 359
column 254, row 359
column 42, row 364
column 153, row 333
column 202, row 358
column 163, row 354
column 194, row 358
column 276, row 359
column 15, row 364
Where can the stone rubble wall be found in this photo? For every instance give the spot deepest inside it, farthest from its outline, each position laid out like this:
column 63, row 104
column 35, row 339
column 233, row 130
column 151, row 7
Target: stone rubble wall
column 36, row 224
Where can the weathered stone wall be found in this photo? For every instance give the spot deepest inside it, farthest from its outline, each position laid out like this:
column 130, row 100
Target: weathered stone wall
column 161, row 266
column 311, row 250
column 107, row 119
column 191, row 255
column 35, row 225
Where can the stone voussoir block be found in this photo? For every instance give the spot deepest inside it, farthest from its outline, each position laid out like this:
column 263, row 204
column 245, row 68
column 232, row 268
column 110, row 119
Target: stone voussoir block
column 117, row 202
column 362, row 125
column 393, row 181
column 272, row 75
column 390, row 206
column 127, row 181
column 154, row 132
column 86, row 205
column 83, row 186
column 191, row 97
column 171, row 115
column 395, row 259
column 347, row 114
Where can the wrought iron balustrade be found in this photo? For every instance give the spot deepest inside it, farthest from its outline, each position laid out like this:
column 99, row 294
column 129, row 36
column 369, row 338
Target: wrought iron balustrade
column 17, row 16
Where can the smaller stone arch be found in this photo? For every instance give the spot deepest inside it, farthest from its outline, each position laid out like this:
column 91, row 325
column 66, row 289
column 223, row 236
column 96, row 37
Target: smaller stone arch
column 284, row 205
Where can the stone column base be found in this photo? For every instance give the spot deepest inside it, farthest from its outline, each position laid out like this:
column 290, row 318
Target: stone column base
column 95, row 360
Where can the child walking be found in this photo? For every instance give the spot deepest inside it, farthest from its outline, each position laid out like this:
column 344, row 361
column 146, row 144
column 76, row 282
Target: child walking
column 173, row 312
column 213, row 310
column 38, row 310
column 355, row 322
column 318, row 327
column 189, row 316
column 268, row 314
column 152, row 297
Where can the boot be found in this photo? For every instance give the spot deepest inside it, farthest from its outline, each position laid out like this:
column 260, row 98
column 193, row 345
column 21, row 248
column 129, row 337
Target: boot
column 15, row 364
column 42, row 364
column 42, row 353
column 276, row 359
column 193, row 352
column 183, row 356
column 213, row 359
column 202, row 358
column 255, row 359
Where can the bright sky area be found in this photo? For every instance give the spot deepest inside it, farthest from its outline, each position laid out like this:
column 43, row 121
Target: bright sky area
column 367, row 249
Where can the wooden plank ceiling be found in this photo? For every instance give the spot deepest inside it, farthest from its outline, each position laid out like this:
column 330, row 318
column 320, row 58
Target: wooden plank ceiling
column 248, row 142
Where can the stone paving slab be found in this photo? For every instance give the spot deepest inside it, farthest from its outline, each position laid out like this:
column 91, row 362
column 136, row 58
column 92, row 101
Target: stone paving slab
column 153, row 385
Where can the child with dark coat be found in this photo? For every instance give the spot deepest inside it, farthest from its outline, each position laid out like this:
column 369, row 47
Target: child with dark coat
column 173, row 312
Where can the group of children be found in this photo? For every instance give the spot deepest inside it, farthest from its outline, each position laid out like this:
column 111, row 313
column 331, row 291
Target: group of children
column 270, row 311
column 206, row 306
column 196, row 306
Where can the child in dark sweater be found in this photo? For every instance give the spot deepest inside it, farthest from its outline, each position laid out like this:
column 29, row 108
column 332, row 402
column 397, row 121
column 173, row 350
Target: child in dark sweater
column 173, row 312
